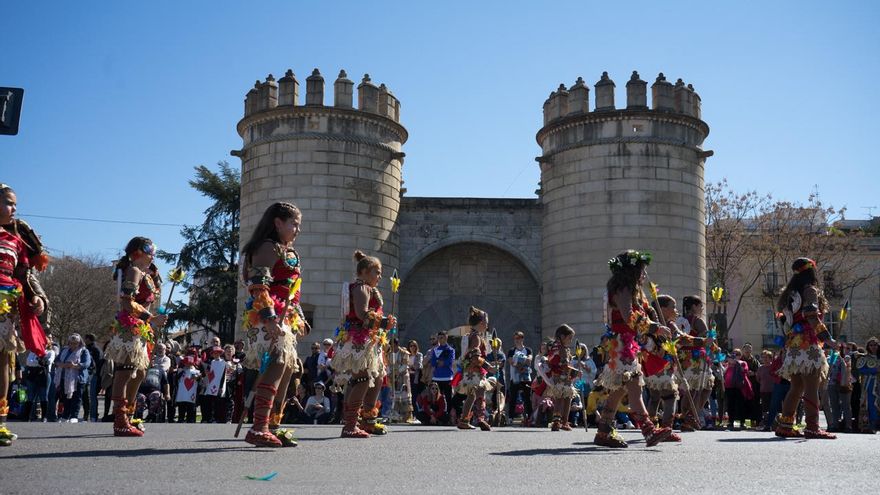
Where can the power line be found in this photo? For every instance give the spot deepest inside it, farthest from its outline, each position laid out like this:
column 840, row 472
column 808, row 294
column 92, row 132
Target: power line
column 99, row 220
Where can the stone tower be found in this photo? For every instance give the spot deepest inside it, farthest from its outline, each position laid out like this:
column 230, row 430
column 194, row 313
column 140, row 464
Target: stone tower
column 340, row 164
column 613, row 179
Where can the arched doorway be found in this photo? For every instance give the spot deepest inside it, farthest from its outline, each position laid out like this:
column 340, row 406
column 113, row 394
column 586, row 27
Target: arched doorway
column 436, row 293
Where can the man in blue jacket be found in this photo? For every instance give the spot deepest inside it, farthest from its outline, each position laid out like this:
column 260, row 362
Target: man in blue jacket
column 442, row 356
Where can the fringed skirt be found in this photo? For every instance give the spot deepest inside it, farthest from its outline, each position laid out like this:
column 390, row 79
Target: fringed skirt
column 665, row 382
column 354, row 359
column 472, row 382
column 800, row 361
column 281, row 349
column 561, row 388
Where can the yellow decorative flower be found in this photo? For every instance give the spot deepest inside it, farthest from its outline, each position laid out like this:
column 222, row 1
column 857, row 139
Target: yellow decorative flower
column 395, row 282
column 653, row 290
column 176, row 275
column 717, row 293
column 5, row 307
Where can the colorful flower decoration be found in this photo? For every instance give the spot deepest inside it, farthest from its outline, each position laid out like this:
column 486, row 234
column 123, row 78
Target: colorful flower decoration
column 717, row 293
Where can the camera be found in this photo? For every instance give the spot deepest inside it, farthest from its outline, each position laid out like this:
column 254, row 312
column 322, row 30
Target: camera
column 384, row 323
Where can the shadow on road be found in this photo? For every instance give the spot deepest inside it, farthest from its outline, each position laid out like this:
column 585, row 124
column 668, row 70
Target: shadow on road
column 590, row 449
column 132, row 453
column 755, row 440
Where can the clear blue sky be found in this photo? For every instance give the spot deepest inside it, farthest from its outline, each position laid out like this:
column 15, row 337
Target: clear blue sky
column 123, row 99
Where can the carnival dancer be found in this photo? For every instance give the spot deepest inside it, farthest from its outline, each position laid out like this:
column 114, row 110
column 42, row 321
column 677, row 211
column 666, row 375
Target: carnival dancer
column 631, row 321
column 802, row 304
column 398, row 366
column 358, row 362
column 273, row 318
column 133, row 331
column 663, row 385
column 21, row 298
column 559, row 377
column 694, row 359
column 471, row 380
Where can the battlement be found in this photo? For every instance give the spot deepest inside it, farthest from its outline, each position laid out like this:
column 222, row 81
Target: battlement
column 665, row 97
column 270, row 94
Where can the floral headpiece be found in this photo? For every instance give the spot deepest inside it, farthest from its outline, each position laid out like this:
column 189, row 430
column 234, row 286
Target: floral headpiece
column 631, row 258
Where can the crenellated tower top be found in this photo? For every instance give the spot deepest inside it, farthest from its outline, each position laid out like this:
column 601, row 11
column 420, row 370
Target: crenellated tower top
column 271, row 94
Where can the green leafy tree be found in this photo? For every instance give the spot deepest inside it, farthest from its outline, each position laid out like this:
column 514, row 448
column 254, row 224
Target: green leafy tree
column 210, row 254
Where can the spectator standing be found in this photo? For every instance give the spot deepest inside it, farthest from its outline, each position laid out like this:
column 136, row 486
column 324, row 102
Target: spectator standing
column 442, row 357
column 414, row 365
column 312, row 369
column 765, row 382
column 735, row 376
column 325, row 357
column 752, row 404
column 214, row 385
column 519, row 358
column 73, row 367
column 840, row 387
column 36, row 375
column 93, row 386
column 187, row 390
column 224, row 408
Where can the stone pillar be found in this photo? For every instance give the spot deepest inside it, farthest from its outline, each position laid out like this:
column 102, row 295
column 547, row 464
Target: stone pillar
column 578, row 98
column 288, row 88
column 636, row 93
column 368, row 95
column 604, row 94
column 343, row 91
column 661, row 95
column 315, row 89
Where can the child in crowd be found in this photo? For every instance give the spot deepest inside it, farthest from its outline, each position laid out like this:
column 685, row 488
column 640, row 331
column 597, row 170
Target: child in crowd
column 187, row 388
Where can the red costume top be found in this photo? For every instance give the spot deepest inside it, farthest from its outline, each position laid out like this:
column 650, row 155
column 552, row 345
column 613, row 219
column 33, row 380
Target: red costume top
column 12, row 254
column 559, row 359
column 357, row 329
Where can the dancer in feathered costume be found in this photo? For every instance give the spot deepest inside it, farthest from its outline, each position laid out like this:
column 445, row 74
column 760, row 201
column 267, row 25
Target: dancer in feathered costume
column 358, row 362
column 632, row 320
column 694, row 359
column 21, row 297
column 560, row 375
column 663, row 385
column 471, row 380
column 803, row 304
column 134, row 330
column 273, row 318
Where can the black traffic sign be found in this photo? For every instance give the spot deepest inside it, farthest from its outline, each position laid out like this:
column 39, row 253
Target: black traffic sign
column 10, row 110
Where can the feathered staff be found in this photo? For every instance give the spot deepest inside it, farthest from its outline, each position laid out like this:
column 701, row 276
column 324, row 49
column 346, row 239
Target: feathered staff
column 176, row 276
column 395, row 287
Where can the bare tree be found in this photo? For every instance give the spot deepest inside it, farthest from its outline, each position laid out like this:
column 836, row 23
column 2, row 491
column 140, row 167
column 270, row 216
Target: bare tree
column 82, row 296
column 732, row 221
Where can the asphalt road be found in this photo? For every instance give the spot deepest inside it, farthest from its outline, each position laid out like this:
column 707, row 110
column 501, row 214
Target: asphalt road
column 190, row 459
